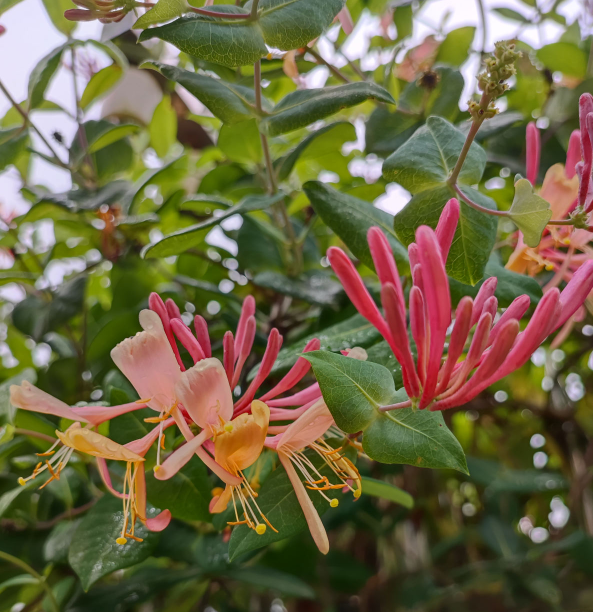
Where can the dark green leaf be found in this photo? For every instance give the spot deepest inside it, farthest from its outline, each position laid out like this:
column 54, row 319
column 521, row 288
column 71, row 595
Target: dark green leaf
column 271, row 579
column 94, row 552
column 315, row 288
column 351, row 219
column 300, row 108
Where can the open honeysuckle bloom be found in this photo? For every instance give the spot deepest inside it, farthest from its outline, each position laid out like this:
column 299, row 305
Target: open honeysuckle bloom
column 496, row 347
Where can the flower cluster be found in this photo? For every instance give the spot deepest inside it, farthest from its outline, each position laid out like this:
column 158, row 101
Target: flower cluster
column 228, row 436
column 105, row 11
column 496, row 347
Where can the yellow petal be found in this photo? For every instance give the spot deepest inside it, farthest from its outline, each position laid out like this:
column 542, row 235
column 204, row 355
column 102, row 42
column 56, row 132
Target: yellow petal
column 93, row 443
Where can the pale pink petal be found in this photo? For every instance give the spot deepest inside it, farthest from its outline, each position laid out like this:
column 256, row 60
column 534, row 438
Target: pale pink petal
column 302, row 397
column 561, row 192
column 180, row 457
column 307, row 428
column 205, row 393
column 28, row 397
column 148, row 362
column 99, row 414
column 106, row 478
column 156, row 523
column 312, row 517
column 346, row 20
column 533, row 152
column 142, row 445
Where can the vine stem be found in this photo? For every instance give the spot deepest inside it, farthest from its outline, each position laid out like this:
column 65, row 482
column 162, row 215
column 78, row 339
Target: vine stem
column 25, row 115
column 331, row 67
column 484, row 23
column 208, row 13
column 27, row 568
column 272, row 183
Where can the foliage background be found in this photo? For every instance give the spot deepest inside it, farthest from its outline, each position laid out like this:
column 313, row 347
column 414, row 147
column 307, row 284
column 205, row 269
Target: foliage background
column 516, row 534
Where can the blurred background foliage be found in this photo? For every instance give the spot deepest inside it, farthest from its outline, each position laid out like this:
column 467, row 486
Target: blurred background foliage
column 516, row 534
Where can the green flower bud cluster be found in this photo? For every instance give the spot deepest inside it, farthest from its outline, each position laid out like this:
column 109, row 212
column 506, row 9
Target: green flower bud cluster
column 580, row 218
column 499, row 68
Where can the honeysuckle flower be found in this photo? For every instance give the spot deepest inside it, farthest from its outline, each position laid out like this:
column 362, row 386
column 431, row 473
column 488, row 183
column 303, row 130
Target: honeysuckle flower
column 89, row 442
column 496, row 347
column 308, row 432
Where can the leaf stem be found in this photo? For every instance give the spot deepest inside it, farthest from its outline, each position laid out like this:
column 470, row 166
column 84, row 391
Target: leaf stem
column 208, row 13
column 331, row 67
column 398, row 406
column 484, row 24
column 254, row 9
column 27, row 568
column 23, row 113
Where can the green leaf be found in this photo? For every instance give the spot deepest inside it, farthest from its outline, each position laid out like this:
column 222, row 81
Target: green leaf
column 7, row 411
column 384, row 490
column 6, row 4
column 163, row 10
column 455, row 49
column 56, row 546
column 241, row 143
column 231, row 42
column 13, row 146
column 12, row 276
column 187, row 495
column 271, row 579
column 291, row 24
column 529, row 212
column 564, row 57
column 101, row 82
column 42, row 74
column 94, row 552
column 315, row 287
column 163, row 127
column 185, row 239
column 300, row 108
column 426, row 160
column 355, row 390
column 474, row 237
column 104, row 134
column 7, row 498
column 404, row 23
column 55, row 9
column 279, row 504
column 229, row 102
column 351, row 218
column 508, row 13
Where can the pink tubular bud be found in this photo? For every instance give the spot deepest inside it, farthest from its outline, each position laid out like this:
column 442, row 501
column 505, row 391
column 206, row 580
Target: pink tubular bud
column 265, row 367
column 396, row 319
column 585, row 109
column 346, row 20
column 419, row 331
column 243, row 350
column 187, row 339
column 298, row 371
column 586, row 186
column 202, row 335
column 172, row 309
column 491, row 306
column 356, row 290
column 228, row 354
column 384, row 261
column 156, row 304
column 573, row 154
column 574, row 294
column 486, row 291
column 2, row 30
column 417, row 277
column 247, row 310
column 79, row 15
column 533, row 152
column 516, row 310
column 413, row 255
column 302, row 397
column 446, row 226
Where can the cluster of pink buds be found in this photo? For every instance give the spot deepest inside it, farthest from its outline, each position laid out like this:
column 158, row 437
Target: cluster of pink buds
column 496, row 347
column 585, row 167
column 106, row 11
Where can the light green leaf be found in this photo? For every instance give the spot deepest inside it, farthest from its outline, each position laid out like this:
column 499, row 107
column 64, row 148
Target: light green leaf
column 55, row 9
column 455, row 49
column 241, row 143
column 110, row 49
column 355, row 390
column 564, row 57
column 300, row 108
column 404, row 23
column 529, row 212
column 474, row 237
column 42, row 74
column 20, row 580
column 12, row 276
column 163, row 127
column 101, row 82
column 426, row 160
column 291, row 24
column 229, row 102
column 351, row 218
column 231, row 42
column 94, row 552
column 13, row 146
column 6, row 4
column 384, row 490
column 163, row 10
column 508, row 13
column 185, row 239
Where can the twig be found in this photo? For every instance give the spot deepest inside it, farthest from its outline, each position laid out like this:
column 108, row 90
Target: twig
column 484, row 23
column 332, row 68
column 68, row 514
column 33, row 434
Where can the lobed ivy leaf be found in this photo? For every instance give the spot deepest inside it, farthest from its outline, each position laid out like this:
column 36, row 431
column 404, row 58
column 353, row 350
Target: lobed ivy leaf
column 94, row 552
column 351, row 218
column 354, row 390
column 300, row 108
column 529, row 212
column 185, row 239
column 229, row 102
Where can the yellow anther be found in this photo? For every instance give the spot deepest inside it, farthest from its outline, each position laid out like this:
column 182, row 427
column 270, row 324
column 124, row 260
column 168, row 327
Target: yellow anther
column 260, row 529
column 156, row 468
column 121, row 541
column 566, row 241
column 228, row 427
column 22, row 481
column 549, row 267
column 269, row 56
column 357, row 493
column 334, row 503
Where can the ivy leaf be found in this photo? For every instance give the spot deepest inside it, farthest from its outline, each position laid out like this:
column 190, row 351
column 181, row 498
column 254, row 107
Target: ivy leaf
column 94, row 552
column 283, row 26
column 232, row 43
column 351, row 218
column 163, row 10
column 529, row 212
column 185, row 239
column 229, row 102
column 354, row 391
column 300, row 108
